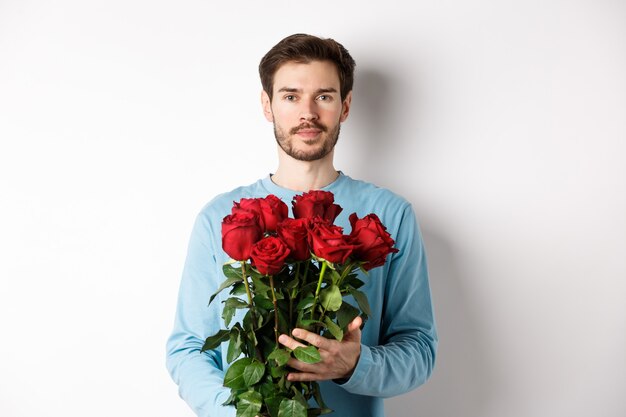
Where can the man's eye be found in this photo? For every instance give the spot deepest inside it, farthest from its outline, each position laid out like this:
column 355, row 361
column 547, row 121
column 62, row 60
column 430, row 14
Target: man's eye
column 324, row 97
column 290, row 97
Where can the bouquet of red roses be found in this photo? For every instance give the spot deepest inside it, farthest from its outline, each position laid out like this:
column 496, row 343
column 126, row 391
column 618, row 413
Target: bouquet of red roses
column 287, row 273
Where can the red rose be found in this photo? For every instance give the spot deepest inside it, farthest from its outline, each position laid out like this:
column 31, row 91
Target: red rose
column 250, row 205
column 240, row 231
column 316, row 203
column 373, row 242
column 328, row 242
column 273, row 211
column 295, row 234
column 268, row 255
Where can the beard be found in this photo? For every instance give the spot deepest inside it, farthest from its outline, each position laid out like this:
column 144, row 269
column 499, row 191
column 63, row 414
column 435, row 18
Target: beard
column 328, row 141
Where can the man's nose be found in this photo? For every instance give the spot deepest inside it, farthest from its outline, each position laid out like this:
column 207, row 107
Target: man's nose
column 309, row 111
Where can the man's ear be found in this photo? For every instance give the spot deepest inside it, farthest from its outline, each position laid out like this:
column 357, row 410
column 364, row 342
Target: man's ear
column 267, row 106
column 345, row 107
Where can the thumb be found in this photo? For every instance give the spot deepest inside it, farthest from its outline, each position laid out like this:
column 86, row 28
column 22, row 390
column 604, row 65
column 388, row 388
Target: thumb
column 354, row 330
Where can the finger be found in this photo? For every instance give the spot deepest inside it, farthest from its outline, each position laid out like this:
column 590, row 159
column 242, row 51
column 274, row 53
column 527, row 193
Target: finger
column 304, row 376
column 289, row 342
column 355, row 324
column 312, row 338
column 354, row 330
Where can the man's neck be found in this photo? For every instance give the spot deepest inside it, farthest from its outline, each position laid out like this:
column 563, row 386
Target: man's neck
column 304, row 176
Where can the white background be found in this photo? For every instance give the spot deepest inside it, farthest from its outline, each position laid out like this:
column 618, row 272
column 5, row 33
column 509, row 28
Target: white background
column 504, row 122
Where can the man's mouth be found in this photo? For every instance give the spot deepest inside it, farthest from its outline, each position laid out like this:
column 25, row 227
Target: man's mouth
column 308, row 134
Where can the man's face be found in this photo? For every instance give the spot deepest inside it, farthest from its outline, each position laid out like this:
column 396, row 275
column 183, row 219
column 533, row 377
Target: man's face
column 306, row 109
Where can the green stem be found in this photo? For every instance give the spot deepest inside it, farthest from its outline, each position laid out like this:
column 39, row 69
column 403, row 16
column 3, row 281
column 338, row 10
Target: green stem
column 275, row 309
column 317, row 290
column 292, row 294
column 246, row 284
column 251, row 307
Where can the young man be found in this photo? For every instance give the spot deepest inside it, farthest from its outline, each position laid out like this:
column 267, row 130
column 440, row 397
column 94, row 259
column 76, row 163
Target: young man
column 307, row 94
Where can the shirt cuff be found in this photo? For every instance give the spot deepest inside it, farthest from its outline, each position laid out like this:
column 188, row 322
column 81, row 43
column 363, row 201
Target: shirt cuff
column 360, row 371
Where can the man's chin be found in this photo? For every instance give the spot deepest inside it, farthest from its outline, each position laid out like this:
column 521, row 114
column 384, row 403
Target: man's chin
column 308, row 156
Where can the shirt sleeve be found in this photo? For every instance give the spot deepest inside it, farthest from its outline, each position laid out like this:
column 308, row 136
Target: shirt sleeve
column 199, row 375
column 405, row 357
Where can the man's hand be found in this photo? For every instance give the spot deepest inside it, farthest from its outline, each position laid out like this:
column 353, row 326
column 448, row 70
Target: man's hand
column 338, row 358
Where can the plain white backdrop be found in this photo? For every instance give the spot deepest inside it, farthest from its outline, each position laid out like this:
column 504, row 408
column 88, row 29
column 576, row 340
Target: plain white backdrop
column 503, row 122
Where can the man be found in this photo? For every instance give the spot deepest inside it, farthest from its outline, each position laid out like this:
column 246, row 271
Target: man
column 307, row 94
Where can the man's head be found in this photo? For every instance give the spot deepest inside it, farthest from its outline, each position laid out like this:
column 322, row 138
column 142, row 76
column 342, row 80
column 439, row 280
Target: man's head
column 303, row 48
column 307, row 91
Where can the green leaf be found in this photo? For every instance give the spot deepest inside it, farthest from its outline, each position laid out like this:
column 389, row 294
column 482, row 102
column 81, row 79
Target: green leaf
column 335, row 276
column 260, row 287
column 273, row 404
column 234, row 302
column 231, row 398
column 231, row 271
column 281, row 356
column 308, row 324
column 352, row 281
column 214, row 341
column 292, row 284
column 291, row 408
column 230, row 305
column 297, row 395
column 250, row 404
column 253, row 373
column 238, row 289
column 346, row 314
column 252, row 338
column 308, row 354
column 267, row 388
column 305, row 303
column 330, row 298
column 333, row 329
column 234, row 345
column 229, row 281
column 361, row 300
column 263, row 302
column 278, row 372
column 234, row 376
column 228, row 314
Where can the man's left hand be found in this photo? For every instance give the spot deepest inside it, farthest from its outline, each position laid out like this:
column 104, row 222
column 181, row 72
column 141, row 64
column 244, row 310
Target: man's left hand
column 338, row 358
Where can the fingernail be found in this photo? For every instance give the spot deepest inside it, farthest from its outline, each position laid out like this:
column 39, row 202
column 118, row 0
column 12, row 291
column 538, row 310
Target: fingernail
column 297, row 333
column 282, row 338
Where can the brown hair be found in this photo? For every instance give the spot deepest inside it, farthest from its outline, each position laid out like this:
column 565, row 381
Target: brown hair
column 306, row 48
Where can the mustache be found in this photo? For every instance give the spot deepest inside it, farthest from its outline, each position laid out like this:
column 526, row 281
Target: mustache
column 310, row 125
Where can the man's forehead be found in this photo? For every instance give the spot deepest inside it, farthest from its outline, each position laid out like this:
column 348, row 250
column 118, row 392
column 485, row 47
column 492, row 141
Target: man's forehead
column 312, row 74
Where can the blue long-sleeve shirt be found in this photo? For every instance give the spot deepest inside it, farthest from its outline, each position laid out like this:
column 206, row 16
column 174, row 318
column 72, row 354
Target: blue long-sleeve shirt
column 399, row 340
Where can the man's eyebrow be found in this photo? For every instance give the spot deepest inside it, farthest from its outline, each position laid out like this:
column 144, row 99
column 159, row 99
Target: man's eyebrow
column 298, row 90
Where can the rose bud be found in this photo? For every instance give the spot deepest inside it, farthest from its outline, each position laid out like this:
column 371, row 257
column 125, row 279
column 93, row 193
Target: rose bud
column 316, row 203
column 373, row 242
column 273, row 211
column 268, row 255
column 328, row 242
column 295, row 234
column 240, row 231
